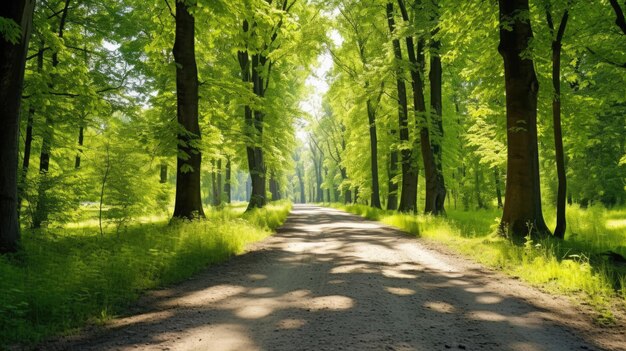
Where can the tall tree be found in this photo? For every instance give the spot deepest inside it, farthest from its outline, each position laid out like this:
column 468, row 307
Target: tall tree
column 434, row 183
column 557, row 44
column 522, row 207
column 13, row 47
column 41, row 210
column 189, row 159
column 408, row 193
column 436, row 195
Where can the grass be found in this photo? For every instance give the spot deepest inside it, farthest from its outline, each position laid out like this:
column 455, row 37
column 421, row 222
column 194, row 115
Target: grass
column 575, row 266
column 64, row 278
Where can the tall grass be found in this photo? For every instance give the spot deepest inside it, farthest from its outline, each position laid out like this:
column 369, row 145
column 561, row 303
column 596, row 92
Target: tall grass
column 61, row 280
column 574, row 266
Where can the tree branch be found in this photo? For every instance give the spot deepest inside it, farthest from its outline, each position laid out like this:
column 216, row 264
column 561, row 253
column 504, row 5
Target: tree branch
column 619, row 20
column 605, row 60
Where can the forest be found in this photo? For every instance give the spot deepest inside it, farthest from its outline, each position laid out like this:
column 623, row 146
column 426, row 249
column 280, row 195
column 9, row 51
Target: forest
column 141, row 141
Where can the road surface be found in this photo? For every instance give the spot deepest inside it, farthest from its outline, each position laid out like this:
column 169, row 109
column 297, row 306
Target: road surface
column 329, row 280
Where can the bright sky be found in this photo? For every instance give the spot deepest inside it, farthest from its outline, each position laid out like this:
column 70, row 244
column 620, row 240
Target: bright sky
column 317, row 85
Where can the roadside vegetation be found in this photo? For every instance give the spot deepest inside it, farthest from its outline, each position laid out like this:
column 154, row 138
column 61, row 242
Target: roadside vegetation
column 65, row 277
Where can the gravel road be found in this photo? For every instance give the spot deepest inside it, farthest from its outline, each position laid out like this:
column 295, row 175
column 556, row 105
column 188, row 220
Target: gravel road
column 329, row 280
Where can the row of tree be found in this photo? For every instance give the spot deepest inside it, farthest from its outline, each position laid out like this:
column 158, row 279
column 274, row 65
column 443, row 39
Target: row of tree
column 104, row 97
column 501, row 128
column 112, row 95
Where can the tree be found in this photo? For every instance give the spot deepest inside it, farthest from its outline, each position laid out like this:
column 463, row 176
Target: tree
column 436, row 194
column 522, row 207
column 408, row 193
column 188, row 199
column 557, row 44
column 355, row 61
column 13, row 46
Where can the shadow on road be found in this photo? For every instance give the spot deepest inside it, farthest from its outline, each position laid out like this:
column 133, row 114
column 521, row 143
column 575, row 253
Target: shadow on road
column 333, row 281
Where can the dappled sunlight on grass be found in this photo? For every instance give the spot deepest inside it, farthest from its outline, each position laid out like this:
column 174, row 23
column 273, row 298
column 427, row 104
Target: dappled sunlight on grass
column 573, row 266
column 64, row 277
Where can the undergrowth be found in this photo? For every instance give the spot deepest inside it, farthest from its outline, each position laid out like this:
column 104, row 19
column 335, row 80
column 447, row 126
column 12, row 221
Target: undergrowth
column 576, row 266
column 65, row 277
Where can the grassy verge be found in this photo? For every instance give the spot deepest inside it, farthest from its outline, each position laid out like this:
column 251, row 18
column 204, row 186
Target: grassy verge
column 575, row 266
column 65, row 278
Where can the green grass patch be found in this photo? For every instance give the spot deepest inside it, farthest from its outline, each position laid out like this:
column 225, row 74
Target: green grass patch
column 575, row 266
column 65, row 277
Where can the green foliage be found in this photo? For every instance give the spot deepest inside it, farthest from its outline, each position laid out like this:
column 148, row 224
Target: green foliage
column 10, row 30
column 60, row 280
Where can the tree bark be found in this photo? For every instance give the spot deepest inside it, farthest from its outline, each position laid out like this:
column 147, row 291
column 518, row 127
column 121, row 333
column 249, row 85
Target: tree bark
column 274, row 188
column 408, row 194
column 557, row 42
column 81, row 139
column 250, row 66
column 301, row 181
column 188, row 203
column 478, row 178
column 435, row 203
column 371, row 118
column 620, row 20
column 163, row 173
column 227, row 182
column 28, row 142
column 220, row 182
column 416, row 57
column 392, row 171
column 12, row 63
column 522, row 207
column 347, row 196
column 496, row 175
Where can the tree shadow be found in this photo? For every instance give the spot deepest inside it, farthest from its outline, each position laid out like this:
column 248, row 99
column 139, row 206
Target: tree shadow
column 329, row 281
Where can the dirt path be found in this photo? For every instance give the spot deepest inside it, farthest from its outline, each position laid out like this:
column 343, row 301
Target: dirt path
column 333, row 281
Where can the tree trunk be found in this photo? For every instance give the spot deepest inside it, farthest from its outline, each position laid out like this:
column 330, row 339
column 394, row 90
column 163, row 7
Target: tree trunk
column 250, row 68
column 28, row 139
column 347, row 195
column 522, row 209
column 301, row 181
column 317, row 165
column 496, row 175
column 163, row 173
column 220, row 183
column 248, row 187
column 559, row 231
column 371, row 118
column 12, row 62
column 81, row 139
column 438, row 196
column 274, row 188
column 41, row 210
column 189, row 159
column 392, row 196
column 620, row 20
column 478, row 177
column 416, row 57
column 228, row 180
column 328, row 189
column 408, row 194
